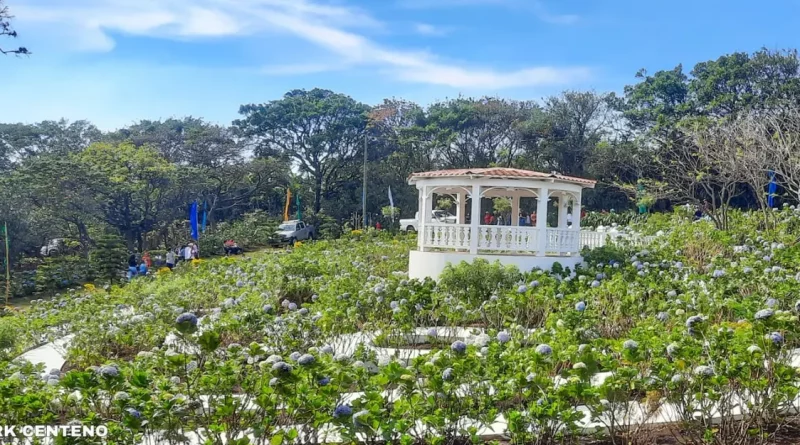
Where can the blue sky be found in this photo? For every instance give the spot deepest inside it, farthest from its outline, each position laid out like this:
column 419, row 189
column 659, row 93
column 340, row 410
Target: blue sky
column 114, row 62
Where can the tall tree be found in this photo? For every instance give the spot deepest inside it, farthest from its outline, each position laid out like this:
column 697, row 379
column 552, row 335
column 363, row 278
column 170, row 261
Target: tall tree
column 7, row 31
column 20, row 141
column 322, row 132
column 134, row 187
column 478, row 132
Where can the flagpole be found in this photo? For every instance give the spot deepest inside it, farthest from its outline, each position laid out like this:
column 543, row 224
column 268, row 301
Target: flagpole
column 364, row 187
column 8, row 270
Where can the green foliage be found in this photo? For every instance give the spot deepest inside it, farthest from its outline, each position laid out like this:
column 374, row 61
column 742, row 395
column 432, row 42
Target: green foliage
column 109, row 257
column 254, row 230
column 61, row 272
column 501, row 205
column 477, row 281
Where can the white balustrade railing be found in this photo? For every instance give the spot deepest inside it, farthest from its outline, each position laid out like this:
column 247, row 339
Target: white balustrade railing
column 521, row 239
column 592, row 239
column 511, row 238
column 563, row 241
column 447, row 236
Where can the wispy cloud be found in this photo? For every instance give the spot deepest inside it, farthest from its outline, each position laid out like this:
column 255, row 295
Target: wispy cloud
column 426, row 29
column 538, row 8
column 332, row 28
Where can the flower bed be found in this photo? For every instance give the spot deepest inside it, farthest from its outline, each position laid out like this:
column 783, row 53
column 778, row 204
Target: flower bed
column 696, row 334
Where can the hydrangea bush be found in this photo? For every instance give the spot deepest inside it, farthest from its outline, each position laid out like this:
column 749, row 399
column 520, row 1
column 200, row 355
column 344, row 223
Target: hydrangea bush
column 288, row 347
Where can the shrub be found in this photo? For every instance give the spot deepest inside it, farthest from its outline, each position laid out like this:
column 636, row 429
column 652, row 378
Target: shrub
column 475, row 282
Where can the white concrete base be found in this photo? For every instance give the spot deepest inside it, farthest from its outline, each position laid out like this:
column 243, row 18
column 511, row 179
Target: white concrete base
column 431, row 264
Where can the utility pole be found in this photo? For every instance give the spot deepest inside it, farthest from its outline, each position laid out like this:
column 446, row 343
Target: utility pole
column 364, row 186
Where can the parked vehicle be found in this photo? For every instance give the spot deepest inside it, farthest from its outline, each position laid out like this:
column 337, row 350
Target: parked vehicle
column 291, row 231
column 53, row 247
column 441, row 216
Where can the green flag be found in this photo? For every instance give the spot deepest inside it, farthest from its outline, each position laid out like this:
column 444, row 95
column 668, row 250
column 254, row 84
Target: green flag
column 8, row 269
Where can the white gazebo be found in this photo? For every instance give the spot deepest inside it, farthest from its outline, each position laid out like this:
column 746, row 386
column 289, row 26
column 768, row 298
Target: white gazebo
column 512, row 242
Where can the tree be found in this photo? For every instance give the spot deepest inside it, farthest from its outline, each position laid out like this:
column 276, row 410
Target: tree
column 134, row 187
column 7, row 31
column 321, row 131
column 20, row 141
column 577, row 122
column 478, row 132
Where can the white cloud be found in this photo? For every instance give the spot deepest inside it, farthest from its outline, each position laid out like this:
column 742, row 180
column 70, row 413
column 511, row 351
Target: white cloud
column 324, row 25
column 537, row 7
column 427, row 29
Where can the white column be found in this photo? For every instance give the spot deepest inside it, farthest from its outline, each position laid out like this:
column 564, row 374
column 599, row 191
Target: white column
column 563, row 201
column 461, row 208
column 476, row 219
column 421, row 220
column 541, row 220
column 515, row 209
column 576, row 213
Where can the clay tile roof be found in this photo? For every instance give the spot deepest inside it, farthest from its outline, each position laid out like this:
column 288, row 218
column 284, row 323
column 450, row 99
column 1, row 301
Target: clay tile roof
column 497, row 172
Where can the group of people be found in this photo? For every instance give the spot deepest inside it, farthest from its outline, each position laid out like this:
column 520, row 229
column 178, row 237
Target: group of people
column 138, row 267
column 525, row 219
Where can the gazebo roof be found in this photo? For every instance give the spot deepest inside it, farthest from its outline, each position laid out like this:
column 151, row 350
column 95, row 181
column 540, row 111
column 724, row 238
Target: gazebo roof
column 499, row 173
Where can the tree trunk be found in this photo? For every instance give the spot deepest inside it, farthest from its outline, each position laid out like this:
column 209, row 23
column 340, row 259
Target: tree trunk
column 317, row 193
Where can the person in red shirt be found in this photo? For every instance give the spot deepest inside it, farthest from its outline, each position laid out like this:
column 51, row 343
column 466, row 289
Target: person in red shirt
column 378, row 225
column 487, row 219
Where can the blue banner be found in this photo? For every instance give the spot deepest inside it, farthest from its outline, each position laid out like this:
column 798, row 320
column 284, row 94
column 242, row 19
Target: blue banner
column 773, row 189
column 205, row 215
column 193, row 221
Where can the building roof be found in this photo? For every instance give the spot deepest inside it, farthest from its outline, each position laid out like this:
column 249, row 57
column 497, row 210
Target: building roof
column 500, row 173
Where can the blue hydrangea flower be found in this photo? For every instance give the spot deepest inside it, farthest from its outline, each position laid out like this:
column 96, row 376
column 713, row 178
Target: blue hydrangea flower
column 342, row 411
column 693, row 320
column 672, row 294
column 718, row 273
column 544, row 349
column 747, row 270
column 533, row 283
column 459, row 347
column 559, row 296
column 187, row 319
column 326, row 349
column 447, row 374
column 303, row 311
column 292, row 306
column 133, row 412
column 282, row 367
column 493, row 298
column 595, row 283
column 306, row 360
column 771, row 302
column 432, row 332
column 109, row 371
column 776, row 337
column 325, row 381
column 294, row 356
column 522, row 289
column 677, row 378
column 580, row 306
column 662, row 317
column 764, row 314
column 503, row 337
column 630, row 345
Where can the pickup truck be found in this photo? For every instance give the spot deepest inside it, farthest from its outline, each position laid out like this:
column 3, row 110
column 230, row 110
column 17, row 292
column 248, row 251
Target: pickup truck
column 291, row 231
column 441, row 216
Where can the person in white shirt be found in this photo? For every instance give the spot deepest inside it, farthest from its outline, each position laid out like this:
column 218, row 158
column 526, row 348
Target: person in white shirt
column 187, row 253
column 170, row 259
column 569, row 219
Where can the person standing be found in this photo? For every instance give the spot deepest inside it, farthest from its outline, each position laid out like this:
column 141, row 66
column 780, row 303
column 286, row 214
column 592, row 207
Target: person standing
column 187, row 252
column 569, row 219
column 195, row 252
column 521, row 219
column 487, row 219
column 146, row 260
column 528, row 219
column 170, row 259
